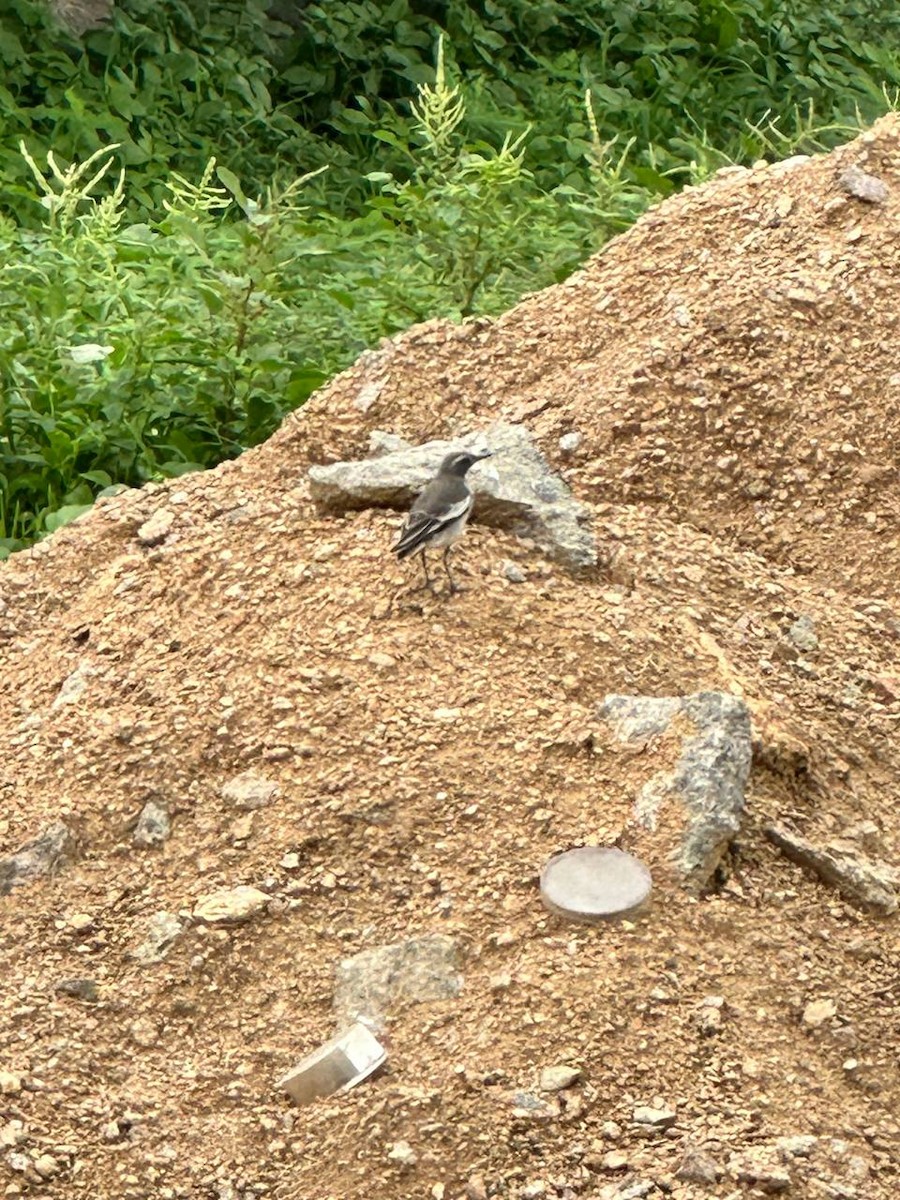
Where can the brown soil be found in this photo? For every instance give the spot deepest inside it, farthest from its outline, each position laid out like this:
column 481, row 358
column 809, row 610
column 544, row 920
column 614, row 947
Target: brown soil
column 732, row 364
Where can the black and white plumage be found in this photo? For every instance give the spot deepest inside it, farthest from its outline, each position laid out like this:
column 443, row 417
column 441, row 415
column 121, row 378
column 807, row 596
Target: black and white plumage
column 438, row 516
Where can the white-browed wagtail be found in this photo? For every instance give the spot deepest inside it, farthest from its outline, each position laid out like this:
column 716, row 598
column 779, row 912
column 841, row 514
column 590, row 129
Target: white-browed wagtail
column 438, row 516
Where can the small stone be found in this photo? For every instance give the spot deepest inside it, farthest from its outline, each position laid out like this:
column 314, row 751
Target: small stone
column 858, row 183
column 79, row 989
column 475, row 1188
column 153, row 826
column 800, row 1146
column 157, row 528
column 802, row 633
column 230, row 905
column 635, row 1190
column 73, row 686
column 513, row 572
column 144, row 1032
column 111, row 1131
column 528, row 1107
column 533, row 1190
column 242, row 829
column 46, row 1166
column 12, row 1133
column 611, row 1130
column 10, row 1083
column 18, row 1161
column 698, row 1167
column 162, row 930
column 403, row 1154
column 711, row 1016
column 658, row 1118
column 817, row 1012
column 81, row 922
column 36, row 858
column 569, row 442
column 770, row 1178
column 555, row 1079
column 615, row 1160
column 249, row 792
column 290, row 861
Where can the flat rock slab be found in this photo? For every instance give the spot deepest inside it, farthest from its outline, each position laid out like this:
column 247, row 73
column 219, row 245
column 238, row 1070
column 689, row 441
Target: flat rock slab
column 867, row 884
column 515, row 489
column 687, row 817
column 372, row 982
column 35, row 858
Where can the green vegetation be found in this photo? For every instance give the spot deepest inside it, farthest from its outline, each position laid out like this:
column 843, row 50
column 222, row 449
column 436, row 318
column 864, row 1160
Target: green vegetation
column 263, row 193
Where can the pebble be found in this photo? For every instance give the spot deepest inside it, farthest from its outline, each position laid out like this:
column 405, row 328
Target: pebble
column 658, row 1118
column 230, row 905
column 79, row 989
column 10, row 1083
column 817, row 1012
column 403, row 1154
column 157, row 528
column 698, row 1167
column 569, row 442
column 555, row 1079
column 800, row 1146
column 862, row 186
column 513, row 572
column 249, row 792
column 615, row 1160
column 162, row 930
column 46, row 1166
column 769, row 1178
column 475, row 1188
column 153, row 826
column 533, row 1190
column 802, row 633
column 528, row 1107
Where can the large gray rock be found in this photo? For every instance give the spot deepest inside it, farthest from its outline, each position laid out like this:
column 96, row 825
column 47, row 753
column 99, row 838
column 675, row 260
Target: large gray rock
column 698, row 806
column 35, row 858
column 867, row 884
column 515, row 489
column 419, row 969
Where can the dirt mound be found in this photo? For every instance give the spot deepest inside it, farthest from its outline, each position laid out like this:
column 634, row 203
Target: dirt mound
column 732, row 360
column 425, row 763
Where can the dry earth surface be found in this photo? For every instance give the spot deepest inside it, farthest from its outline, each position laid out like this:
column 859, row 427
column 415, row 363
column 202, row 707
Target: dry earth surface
column 732, row 367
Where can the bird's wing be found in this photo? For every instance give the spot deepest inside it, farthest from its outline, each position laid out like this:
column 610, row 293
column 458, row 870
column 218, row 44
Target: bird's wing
column 425, row 520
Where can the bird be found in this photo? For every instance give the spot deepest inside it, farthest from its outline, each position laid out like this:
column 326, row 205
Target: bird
column 438, row 515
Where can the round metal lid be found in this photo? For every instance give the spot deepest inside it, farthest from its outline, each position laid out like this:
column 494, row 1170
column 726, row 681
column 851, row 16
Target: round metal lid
column 594, row 883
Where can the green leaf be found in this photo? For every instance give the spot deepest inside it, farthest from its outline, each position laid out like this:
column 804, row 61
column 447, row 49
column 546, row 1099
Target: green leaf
column 62, row 516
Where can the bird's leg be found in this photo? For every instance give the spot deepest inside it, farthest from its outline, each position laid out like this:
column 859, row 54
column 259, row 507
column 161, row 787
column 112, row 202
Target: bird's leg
column 454, row 586
column 429, row 582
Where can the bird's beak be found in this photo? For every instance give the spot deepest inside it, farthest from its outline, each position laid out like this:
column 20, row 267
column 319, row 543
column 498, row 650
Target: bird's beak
column 485, row 454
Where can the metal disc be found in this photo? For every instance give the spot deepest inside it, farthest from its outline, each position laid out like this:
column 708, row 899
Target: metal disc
column 594, row 883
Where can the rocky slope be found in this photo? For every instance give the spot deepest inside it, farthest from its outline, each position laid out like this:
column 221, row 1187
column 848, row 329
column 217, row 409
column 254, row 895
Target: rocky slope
column 730, row 370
